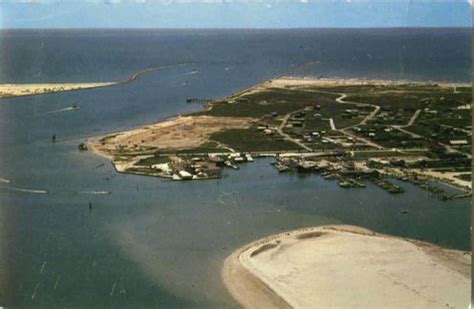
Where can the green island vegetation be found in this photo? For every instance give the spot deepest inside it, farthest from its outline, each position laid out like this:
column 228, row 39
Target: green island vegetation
column 347, row 132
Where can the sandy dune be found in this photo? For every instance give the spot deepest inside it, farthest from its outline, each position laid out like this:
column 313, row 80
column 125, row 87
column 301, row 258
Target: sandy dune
column 347, row 267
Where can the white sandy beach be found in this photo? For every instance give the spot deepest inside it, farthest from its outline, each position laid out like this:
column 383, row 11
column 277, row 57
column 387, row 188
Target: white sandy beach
column 347, row 267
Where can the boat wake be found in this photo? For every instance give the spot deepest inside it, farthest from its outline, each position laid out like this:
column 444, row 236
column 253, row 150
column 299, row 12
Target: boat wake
column 95, row 192
column 191, row 73
column 25, row 190
column 70, row 108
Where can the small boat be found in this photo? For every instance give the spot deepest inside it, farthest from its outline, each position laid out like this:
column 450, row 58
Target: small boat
column 282, row 168
column 82, row 147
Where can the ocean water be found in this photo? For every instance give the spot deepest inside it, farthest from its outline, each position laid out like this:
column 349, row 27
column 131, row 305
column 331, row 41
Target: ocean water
column 156, row 243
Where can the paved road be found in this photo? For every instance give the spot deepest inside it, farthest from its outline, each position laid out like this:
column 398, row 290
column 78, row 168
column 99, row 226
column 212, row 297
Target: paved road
column 340, row 100
column 411, row 121
column 286, row 136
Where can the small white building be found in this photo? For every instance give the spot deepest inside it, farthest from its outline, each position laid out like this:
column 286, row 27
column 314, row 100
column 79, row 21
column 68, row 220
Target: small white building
column 185, row 175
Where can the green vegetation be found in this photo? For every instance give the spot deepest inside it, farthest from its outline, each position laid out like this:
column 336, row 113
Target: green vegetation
column 253, row 140
column 311, row 109
column 157, row 159
column 108, row 137
column 466, row 177
column 259, row 104
column 208, row 147
column 389, row 137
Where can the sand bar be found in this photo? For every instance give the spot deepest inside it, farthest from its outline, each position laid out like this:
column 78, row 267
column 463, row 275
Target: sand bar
column 15, row 90
column 347, row 267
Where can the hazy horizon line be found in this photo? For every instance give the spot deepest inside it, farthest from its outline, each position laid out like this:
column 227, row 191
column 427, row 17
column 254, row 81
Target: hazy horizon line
column 238, row 28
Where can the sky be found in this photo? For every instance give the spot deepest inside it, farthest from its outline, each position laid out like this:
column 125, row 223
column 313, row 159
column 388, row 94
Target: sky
column 234, row 13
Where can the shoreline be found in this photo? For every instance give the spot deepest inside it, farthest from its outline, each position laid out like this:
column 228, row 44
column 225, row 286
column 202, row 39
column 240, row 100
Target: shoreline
column 311, row 80
column 281, row 271
column 30, row 89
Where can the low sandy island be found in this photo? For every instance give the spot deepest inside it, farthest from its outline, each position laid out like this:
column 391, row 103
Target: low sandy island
column 347, row 267
column 15, row 90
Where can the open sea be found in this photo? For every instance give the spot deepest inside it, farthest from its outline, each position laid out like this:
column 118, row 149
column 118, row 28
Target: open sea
column 157, row 243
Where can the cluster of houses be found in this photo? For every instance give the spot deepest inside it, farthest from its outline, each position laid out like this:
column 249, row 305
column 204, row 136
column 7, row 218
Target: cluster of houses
column 386, row 115
column 353, row 113
column 198, row 168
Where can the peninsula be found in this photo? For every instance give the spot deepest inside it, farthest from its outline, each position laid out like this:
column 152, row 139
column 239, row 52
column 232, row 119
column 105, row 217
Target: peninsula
column 348, row 130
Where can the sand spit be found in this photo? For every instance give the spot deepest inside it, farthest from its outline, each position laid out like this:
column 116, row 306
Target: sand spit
column 346, row 267
column 15, row 90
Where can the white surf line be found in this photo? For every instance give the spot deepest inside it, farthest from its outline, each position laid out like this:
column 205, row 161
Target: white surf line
column 4, row 180
column 57, row 281
column 113, row 289
column 25, row 190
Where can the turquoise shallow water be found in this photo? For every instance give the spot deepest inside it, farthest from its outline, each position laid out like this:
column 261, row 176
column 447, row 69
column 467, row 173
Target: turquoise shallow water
column 159, row 243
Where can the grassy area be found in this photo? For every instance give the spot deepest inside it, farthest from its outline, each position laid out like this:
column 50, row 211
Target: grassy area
column 316, row 124
column 407, row 88
column 252, row 140
column 152, row 160
column 451, row 126
column 208, row 147
column 466, row 177
column 263, row 103
column 104, row 139
column 398, row 107
column 388, row 137
column 443, row 117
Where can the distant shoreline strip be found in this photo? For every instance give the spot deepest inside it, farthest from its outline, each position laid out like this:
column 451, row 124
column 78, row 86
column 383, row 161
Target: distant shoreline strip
column 8, row 91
